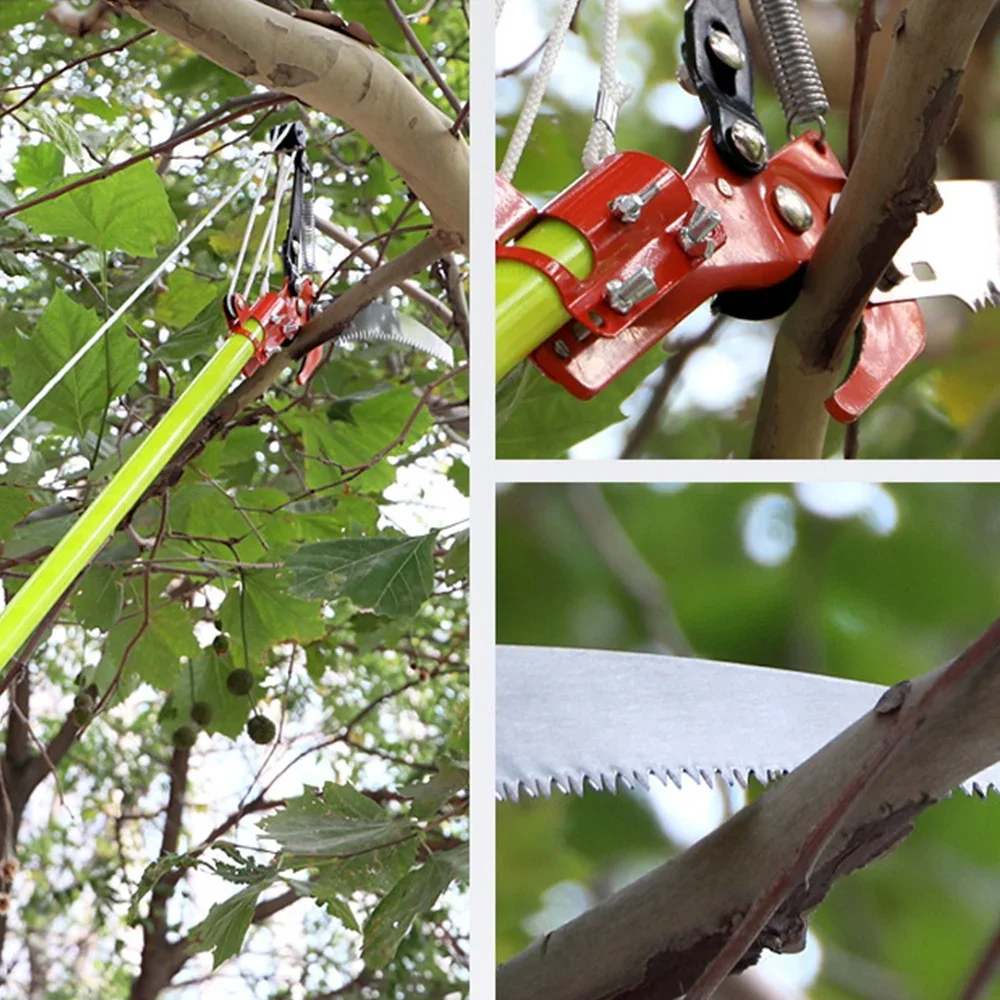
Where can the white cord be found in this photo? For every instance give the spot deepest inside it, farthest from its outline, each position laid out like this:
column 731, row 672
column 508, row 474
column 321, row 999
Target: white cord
column 271, row 235
column 120, row 311
column 612, row 95
column 258, row 197
column 536, row 93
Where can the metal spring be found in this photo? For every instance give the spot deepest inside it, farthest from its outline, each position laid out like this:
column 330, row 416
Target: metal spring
column 793, row 66
column 308, row 262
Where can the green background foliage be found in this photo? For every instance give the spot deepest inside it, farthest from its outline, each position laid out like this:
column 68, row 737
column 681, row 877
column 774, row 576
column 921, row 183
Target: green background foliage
column 312, row 533
column 943, row 405
column 873, row 583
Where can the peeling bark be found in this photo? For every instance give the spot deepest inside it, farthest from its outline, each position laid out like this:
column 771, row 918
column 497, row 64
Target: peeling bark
column 653, row 938
column 337, row 75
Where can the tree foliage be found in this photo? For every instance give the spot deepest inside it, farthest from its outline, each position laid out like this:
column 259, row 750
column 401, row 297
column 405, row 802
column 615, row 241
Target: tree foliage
column 315, row 540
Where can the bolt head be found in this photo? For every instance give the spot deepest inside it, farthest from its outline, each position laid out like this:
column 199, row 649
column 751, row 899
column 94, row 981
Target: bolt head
column 627, row 208
column 684, row 79
column 562, row 351
column 793, row 209
column 726, row 50
column 725, row 188
column 750, row 143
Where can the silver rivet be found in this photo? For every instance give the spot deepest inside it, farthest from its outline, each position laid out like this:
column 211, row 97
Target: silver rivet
column 561, row 350
column 628, row 207
column 684, row 79
column 725, row 49
column 750, row 142
column 793, row 208
column 725, row 188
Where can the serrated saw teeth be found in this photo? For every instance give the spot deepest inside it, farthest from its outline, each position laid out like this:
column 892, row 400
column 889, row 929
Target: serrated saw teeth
column 439, row 350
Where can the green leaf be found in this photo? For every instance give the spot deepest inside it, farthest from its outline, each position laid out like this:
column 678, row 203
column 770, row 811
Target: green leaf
column 62, row 134
column 15, row 505
column 459, row 475
column 106, row 110
column 127, row 211
column 430, row 795
column 376, row 424
column 11, row 264
column 98, row 600
column 266, row 613
column 390, row 576
column 153, row 873
column 539, row 419
column 227, row 923
column 16, row 12
column 186, row 296
column 390, row 922
column 374, row 871
column 342, row 821
column 106, row 371
column 204, row 679
column 37, row 165
column 156, row 655
column 339, row 909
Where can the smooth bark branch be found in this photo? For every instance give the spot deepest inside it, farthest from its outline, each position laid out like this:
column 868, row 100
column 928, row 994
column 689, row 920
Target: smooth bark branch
column 336, row 75
column 892, row 181
column 653, row 939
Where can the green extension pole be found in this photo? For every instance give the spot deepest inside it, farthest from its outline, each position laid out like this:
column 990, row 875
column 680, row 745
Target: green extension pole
column 97, row 524
column 529, row 308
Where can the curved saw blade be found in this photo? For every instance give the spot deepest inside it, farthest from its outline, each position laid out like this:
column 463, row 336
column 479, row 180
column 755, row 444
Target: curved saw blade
column 381, row 322
column 569, row 718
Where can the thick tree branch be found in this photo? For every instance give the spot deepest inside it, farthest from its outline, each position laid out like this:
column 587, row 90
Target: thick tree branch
column 892, row 181
column 655, row 937
column 336, row 75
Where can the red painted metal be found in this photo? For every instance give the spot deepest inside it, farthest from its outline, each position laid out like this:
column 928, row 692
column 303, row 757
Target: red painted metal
column 513, row 212
column 281, row 315
column 756, row 250
column 894, row 334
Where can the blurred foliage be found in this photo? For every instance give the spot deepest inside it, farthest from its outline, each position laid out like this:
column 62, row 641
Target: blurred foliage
column 868, row 582
column 276, row 550
column 945, row 405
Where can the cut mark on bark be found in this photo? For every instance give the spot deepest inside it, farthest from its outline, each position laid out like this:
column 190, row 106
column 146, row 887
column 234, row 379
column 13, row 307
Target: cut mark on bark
column 670, row 973
column 287, row 75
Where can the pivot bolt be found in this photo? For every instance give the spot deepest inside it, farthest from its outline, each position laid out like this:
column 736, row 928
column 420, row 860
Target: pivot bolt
column 793, row 208
column 750, row 143
column 562, row 351
column 726, row 50
column 684, row 79
column 624, row 294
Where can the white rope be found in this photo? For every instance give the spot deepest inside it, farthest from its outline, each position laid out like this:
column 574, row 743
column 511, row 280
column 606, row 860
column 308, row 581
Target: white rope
column 121, row 310
column 613, row 93
column 271, row 235
column 536, row 93
column 255, row 208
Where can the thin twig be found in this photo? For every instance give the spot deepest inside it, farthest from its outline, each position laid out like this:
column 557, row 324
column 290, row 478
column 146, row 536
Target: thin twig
column 985, row 972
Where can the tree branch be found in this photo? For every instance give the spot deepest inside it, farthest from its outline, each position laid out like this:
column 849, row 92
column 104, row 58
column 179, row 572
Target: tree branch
column 655, row 937
column 892, row 181
column 338, row 76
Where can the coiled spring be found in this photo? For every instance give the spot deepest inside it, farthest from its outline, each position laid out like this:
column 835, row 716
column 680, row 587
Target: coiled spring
column 793, row 66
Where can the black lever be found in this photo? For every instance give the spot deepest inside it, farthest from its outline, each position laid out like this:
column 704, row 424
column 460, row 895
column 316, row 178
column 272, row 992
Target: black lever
column 717, row 56
column 300, row 214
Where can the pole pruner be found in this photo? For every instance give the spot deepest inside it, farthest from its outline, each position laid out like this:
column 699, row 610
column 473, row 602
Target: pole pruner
column 608, row 268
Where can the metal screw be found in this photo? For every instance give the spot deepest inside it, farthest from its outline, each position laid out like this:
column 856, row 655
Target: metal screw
column 628, row 207
column 749, row 142
column 561, row 350
column 725, row 188
column 624, row 294
column 725, row 49
column 793, row 208
column 684, row 79
column 695, row 235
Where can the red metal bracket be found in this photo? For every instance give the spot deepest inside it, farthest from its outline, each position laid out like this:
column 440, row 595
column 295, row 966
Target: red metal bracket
column 274, row 318
column 755, row 247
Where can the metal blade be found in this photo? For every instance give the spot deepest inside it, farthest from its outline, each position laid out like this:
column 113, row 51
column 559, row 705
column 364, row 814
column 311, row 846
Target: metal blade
column 568, row 718
column 381, row 322
column 954, row 252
